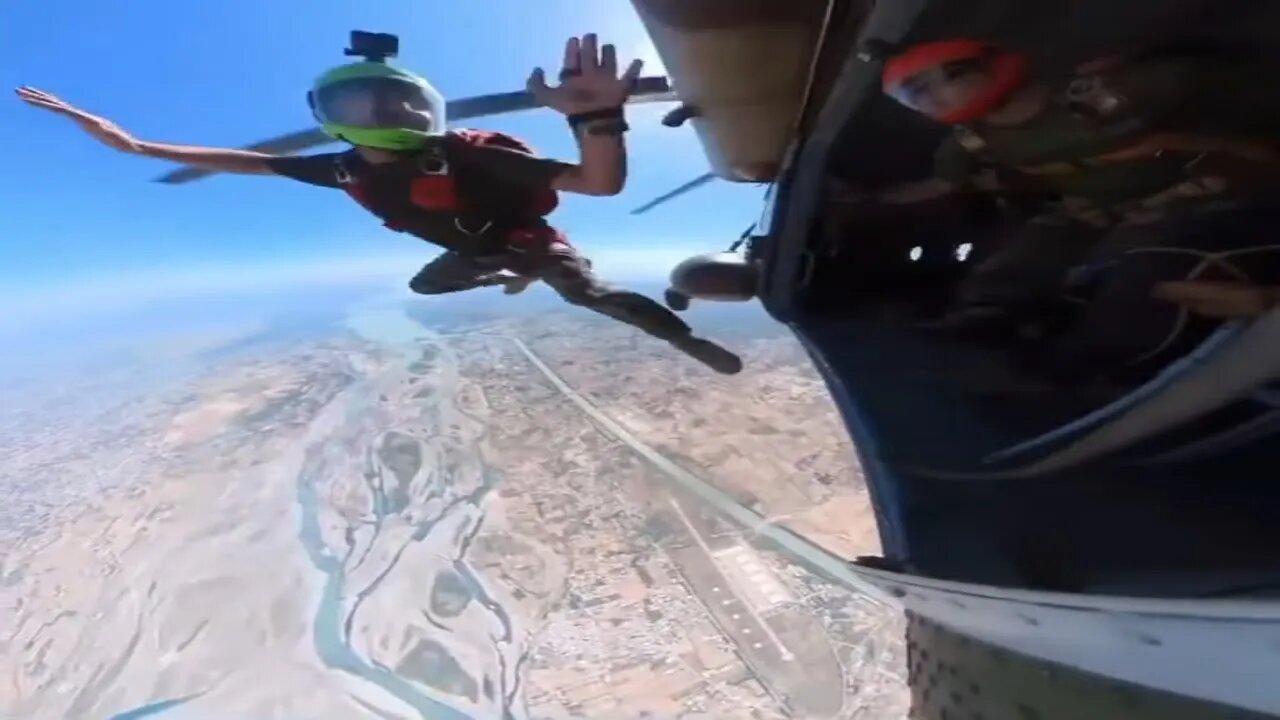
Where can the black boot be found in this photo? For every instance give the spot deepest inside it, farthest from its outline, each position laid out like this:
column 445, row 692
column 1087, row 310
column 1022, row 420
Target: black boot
column 676, row 300
column 708, row 353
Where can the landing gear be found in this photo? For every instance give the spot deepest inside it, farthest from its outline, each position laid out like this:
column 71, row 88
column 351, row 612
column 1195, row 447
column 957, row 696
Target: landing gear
column 676, row 300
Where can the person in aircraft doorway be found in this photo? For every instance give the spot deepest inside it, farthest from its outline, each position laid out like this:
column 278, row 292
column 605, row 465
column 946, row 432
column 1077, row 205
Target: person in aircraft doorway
column 1158, row 150
column 483, row 196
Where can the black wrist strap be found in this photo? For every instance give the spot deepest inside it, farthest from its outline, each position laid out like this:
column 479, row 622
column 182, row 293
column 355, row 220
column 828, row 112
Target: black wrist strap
column 577, row 119
column 617, row 127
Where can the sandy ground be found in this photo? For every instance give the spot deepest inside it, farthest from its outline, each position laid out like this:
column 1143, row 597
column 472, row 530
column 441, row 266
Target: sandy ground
column 473, row 542
column 769, row 435
column 190, row 584
column 805, row 479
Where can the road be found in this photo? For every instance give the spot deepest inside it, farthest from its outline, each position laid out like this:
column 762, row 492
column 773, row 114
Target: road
column 788, row 652
column 834, row 567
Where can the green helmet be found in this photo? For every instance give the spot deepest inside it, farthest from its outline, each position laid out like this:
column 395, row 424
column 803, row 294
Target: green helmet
column 377, row 105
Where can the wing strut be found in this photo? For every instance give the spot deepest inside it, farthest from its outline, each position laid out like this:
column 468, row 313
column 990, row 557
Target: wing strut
column 692, row 184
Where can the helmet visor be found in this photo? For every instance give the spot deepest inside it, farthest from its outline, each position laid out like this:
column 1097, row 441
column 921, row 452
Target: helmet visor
column 380, row 103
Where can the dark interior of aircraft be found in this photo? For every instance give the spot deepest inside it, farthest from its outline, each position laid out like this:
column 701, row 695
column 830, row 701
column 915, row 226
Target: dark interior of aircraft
column 968, row 437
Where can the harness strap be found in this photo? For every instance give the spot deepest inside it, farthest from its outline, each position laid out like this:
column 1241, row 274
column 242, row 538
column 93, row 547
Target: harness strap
column 431, row 164
column 433, row 189
column 352, row 187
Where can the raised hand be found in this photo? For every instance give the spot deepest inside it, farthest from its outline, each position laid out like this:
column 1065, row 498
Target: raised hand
column 101, row 129
column 589, row 79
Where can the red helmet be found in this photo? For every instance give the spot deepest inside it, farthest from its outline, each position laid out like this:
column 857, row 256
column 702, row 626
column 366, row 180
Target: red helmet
column 1004, row 71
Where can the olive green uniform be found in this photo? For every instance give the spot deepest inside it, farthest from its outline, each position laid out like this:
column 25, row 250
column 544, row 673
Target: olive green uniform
column 1122, row 146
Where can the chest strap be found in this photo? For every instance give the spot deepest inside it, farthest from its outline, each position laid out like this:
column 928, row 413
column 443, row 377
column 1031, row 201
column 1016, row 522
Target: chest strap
column 431, row 187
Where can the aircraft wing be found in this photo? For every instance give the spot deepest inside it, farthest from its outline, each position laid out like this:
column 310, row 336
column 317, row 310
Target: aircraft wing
column 648, row 90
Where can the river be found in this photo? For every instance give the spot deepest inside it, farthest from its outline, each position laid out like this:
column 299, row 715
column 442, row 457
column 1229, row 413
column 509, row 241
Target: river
column 425, row 506
column 447, row 516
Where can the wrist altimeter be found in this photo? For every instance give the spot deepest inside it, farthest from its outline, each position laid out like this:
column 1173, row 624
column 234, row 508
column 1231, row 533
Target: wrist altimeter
column 605, row 121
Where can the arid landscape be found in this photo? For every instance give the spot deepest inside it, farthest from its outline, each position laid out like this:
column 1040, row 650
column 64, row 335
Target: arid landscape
column 501, row 519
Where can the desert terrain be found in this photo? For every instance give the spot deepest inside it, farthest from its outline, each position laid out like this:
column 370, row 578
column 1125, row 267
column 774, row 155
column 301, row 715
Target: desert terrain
column 427, row 525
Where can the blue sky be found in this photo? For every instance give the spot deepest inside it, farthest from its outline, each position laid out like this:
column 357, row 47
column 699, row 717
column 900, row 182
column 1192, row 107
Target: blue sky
column 84, row 224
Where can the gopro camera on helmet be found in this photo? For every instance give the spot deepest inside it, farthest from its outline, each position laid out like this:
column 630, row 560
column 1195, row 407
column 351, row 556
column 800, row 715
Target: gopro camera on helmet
column 374, row 47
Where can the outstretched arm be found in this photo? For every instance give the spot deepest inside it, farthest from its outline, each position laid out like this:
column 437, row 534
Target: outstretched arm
column 112, row 135
column 227, row 160
column 591, row 88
